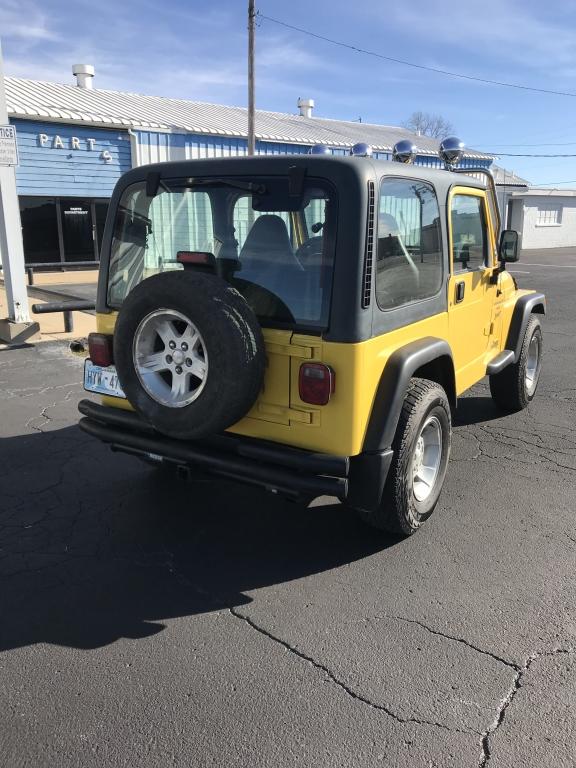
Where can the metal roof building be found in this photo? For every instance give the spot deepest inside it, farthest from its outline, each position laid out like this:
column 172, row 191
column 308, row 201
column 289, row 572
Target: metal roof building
column 35, row 99
column 505, row 178
column 75, row 141
column 507, row 183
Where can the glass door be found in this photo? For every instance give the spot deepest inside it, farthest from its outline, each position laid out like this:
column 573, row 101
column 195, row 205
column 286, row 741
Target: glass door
column 78, row 230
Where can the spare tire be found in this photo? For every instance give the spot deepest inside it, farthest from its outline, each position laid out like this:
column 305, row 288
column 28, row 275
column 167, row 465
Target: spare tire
column 189, row 353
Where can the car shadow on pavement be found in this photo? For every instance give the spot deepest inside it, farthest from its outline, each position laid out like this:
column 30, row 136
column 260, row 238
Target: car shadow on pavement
column 475, row 410
column 95, row 546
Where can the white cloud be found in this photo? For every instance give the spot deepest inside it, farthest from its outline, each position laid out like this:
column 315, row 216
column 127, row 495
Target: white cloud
column 24, row 21
column 503, row 30
column 279, row 54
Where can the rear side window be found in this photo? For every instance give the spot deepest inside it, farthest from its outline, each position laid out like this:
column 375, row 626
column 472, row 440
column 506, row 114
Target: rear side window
column 409, row 263
column 468, row 233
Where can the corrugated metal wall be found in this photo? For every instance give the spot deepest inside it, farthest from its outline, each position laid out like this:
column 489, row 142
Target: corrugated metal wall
column 78, row 161
column 156, row 147
column 60, row 160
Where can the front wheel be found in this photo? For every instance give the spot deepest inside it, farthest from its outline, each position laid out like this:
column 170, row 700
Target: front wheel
column 421, row 450
column 515, row 386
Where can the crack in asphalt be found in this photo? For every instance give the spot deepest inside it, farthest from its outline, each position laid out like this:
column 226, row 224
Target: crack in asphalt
column 339, row 683
column 506, row 702
column 35, row 391
column 455, row 639
column 44, row 415
column 498, row 437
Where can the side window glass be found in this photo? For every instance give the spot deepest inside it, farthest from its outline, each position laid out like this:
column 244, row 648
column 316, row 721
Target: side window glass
column 469, row 239
column 314, row 215
column 409, row 255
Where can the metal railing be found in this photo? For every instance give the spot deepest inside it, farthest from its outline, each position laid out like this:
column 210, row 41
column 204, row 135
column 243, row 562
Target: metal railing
column 67, row 307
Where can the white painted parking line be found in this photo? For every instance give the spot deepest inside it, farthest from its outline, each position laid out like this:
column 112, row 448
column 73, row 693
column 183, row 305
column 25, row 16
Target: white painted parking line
column 552, row 266
column 518, row 272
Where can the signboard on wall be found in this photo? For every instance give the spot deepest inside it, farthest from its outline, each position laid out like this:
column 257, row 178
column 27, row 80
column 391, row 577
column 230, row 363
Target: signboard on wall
column 56, row 141
column 70, row 160
column 8, row 146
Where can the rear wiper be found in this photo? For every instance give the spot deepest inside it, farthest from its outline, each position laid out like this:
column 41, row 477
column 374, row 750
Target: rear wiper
column 248, row 186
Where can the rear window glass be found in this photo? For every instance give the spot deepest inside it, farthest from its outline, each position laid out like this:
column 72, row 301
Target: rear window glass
column 245, row 217
column 279, row 256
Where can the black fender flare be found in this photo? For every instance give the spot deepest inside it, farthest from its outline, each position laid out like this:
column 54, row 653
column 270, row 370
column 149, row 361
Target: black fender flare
column 394, row 382
column 532, row 303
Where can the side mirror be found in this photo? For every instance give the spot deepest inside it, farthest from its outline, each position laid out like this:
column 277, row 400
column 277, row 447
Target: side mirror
column 508, row 249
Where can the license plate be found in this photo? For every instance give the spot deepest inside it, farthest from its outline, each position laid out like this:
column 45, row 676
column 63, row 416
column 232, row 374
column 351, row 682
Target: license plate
column 103, row 381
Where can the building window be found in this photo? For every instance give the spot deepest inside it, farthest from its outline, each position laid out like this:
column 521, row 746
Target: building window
column 549, row 215
column 409, row 259
column 62, row 230
column 39, row 219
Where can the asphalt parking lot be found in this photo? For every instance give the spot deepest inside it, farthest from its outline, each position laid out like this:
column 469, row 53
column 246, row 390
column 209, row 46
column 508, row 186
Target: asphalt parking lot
column 151, row 623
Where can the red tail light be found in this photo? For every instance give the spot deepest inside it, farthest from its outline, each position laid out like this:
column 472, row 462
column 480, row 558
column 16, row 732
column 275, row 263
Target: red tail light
column 100, row 349
column 316, row 383
column 202, row 258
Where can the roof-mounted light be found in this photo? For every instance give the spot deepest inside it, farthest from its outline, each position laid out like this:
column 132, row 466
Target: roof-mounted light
column 451, row 150
column 319, row 149
column 361, row 150
column 404, row 151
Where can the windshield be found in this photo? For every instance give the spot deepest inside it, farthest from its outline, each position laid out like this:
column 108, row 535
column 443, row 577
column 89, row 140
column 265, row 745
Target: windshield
column 276, row 247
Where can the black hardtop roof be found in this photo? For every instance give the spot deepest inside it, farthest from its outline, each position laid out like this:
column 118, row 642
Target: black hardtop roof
column 318, row 165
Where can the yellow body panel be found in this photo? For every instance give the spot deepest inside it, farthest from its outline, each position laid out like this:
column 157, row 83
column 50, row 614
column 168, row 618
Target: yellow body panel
column 475, row 329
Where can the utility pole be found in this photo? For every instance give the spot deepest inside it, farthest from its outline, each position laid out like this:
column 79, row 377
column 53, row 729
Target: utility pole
column 17, row 326
column 251, row 104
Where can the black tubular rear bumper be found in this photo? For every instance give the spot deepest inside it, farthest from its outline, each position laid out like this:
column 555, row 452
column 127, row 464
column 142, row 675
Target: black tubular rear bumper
column 275, row 467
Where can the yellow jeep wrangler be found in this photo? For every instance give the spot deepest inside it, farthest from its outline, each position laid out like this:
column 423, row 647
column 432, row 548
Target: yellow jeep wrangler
column 306, row 323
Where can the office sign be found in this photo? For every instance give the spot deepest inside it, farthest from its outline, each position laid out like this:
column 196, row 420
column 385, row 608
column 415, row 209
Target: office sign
column 8, row 146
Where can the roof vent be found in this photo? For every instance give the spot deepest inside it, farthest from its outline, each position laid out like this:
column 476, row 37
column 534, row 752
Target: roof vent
column 305, row 106
column 84, row 74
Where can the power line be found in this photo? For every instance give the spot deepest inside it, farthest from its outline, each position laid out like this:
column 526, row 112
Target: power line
column 516, row 154
column 357, row 49
column 553, row 183
column 549, row 144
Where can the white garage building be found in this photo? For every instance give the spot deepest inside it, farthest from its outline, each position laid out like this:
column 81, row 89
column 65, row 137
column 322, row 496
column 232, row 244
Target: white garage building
column 545, row 218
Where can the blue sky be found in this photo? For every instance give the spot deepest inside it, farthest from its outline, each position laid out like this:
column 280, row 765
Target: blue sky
column 197, row 50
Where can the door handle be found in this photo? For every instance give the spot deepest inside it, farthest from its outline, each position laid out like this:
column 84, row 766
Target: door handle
column 460, row 290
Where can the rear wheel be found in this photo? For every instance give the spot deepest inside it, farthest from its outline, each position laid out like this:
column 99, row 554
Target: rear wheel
column 421, row 451
column 515, row 386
